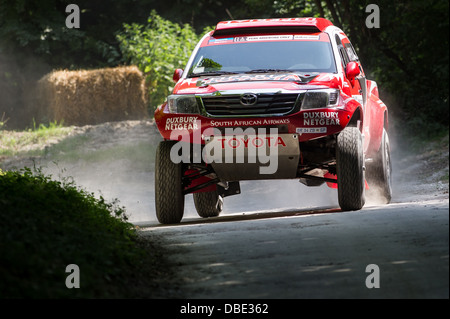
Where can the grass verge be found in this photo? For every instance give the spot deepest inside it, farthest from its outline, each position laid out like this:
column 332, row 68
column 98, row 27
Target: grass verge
column 31, row 142
column 47, row 225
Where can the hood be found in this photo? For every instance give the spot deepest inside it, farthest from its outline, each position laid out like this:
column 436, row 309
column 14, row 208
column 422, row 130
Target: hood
column 275, row 81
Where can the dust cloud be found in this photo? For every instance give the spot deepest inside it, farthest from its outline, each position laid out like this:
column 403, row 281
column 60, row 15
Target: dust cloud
column 115, row 179
column 134, row 188
column 130, row 178
column 18, row 79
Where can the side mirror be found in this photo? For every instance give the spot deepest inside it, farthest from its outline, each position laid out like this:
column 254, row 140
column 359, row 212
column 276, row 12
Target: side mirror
column 352, row 70
column 177, row 75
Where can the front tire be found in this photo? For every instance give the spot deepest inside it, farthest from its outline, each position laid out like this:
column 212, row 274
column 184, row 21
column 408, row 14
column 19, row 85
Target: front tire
column 169, row 197
column 350, row 169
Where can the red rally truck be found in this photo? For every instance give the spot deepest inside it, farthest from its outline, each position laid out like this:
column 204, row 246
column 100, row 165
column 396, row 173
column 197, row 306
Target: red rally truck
column 270, row 99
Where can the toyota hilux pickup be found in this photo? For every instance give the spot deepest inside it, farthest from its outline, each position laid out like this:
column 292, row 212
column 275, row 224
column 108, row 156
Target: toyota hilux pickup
column 270, row 99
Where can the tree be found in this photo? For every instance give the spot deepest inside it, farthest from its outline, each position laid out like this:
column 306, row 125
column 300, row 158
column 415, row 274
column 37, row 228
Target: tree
column 157, row 48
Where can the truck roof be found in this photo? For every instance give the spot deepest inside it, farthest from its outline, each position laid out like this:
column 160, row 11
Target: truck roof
column 304, row 25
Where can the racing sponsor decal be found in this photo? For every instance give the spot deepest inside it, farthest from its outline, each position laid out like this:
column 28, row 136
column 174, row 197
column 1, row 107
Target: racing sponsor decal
column 251, row 141
column 251, row 77
column 281, row 37
column 265, row 38
column 182, row 123
column 235, row 146
column 249, row 122
column 321, row 118
column 306, row 37
column 213, row 40
column 311, row 130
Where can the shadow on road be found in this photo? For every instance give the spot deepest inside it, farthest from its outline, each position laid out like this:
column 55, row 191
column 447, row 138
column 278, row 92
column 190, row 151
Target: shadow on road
column 247, row 216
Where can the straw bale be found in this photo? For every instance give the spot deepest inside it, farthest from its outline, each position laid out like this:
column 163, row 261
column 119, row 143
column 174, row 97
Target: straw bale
column 92, row 96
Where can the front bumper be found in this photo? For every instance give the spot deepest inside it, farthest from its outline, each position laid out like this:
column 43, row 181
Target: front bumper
column 307, row 124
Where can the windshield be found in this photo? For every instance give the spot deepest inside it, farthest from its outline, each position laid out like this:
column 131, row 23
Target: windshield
column 248, row 57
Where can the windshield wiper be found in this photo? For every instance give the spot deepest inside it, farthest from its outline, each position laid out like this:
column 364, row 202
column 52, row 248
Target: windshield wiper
column 269, row 70
column 193, row 75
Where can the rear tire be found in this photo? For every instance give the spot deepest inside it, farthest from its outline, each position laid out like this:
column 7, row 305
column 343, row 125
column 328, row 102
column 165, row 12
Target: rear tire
column 350, row 169
column 169, row 197
column 379, row 172
column 208, row 204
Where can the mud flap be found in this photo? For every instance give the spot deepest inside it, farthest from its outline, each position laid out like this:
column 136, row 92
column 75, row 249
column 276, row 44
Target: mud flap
column 330, row 184
column 233, row 188
column 335, row 185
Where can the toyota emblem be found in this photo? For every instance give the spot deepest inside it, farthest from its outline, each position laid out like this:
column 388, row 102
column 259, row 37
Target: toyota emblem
column 248, row 99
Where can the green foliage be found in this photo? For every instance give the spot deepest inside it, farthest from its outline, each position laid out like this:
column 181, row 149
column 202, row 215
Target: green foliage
column 157, row 48
column 47, row 225
column 412, row 63
column 38, row 28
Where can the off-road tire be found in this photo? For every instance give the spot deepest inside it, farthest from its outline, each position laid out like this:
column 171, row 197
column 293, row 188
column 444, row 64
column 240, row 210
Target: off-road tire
column 208, row 204
column 350, row 169
column 169, row 197
column 379, row 172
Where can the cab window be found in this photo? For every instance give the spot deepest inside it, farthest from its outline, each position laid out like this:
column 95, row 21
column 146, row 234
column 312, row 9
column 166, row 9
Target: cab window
column 351, row 52
column 342, row 52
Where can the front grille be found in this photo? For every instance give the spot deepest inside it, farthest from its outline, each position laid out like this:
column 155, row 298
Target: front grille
column 267, row 104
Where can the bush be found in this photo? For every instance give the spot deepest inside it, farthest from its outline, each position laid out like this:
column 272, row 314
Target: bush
column 47, row 225
column 157, row 48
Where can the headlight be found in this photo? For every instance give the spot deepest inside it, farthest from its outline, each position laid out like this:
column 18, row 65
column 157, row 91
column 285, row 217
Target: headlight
column 182, row 104
column 315, row 99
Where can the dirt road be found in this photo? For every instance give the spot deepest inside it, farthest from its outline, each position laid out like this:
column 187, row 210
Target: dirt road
column 281, row 239
column 320, row 253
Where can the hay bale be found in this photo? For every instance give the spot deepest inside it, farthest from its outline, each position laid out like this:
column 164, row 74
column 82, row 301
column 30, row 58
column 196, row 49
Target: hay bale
column 92, row 96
